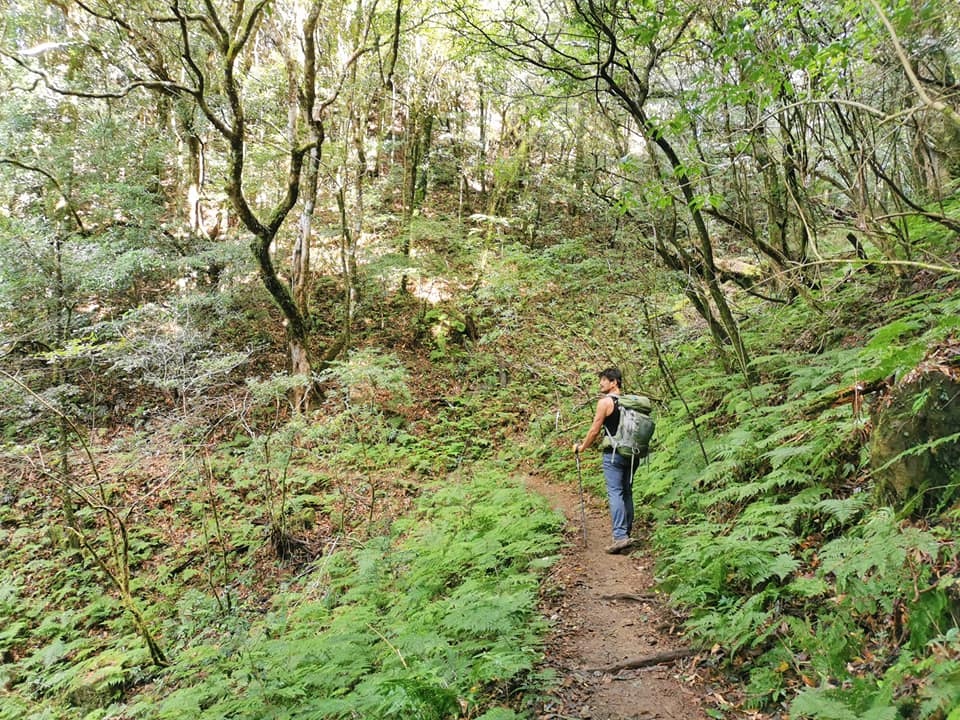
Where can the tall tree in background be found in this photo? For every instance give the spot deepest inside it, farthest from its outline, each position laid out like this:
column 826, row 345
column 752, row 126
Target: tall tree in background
column 764, row 134
column 622, row 52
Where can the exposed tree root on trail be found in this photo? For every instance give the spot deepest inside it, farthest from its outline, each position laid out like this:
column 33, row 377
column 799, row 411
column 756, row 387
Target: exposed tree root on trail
column 667, row 656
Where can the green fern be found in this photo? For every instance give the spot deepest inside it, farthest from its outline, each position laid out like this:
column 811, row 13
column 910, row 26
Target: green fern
column 478, row 608
column 779, row 456
column 879, row 551
column 841, row 512
column 738, row 623
column 829, row 704
column 499, row 713
column 765, row 487
column 919, row 449
column 895, row 331
column 807, row 588
column 800, row 506
column 808, row 378
column 768, row 681
column 409, row 625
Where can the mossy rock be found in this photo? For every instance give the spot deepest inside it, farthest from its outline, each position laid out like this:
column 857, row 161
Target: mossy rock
column 911, row 470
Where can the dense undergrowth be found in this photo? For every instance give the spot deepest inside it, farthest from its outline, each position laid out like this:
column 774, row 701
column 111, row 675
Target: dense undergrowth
column 796, row 574
column 421, row 623
column 786, row 559
column 236, row 560
column 380, row 558
column 435, row 618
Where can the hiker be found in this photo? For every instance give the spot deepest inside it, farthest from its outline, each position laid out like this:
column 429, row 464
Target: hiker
column 617, row 469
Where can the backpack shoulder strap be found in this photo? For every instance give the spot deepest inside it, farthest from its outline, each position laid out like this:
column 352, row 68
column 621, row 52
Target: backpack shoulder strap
column 607, row 432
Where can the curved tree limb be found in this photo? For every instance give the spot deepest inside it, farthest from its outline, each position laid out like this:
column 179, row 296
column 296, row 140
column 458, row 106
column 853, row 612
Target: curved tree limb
column 56, row 183
column 938, row 105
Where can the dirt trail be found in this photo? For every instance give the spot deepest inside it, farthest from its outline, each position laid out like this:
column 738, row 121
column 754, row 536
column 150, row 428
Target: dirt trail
column 605, row 611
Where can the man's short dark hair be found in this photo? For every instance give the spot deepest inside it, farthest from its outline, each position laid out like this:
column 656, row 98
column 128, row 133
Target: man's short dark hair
column 613, row 375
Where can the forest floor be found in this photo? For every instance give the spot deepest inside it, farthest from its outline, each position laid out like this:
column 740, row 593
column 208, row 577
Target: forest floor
column 605, row 611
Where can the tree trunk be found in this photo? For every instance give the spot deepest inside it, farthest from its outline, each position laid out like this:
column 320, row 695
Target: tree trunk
column 62, row 331
column 300, row 360
column 482, row 149
column 300, row 260
column 708, row 268
column 195, row 182
column 797, row 238
column 419, row 134
column 300, row 365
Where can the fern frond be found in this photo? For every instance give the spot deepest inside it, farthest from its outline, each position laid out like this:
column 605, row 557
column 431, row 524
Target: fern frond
column 807, row 587
column 881, row 548
column 801, row 504
column 830, row 704
column 808, row 378
column 780, row 455
column 929, row 446
column 738, row 623
column 765, row 487
column 842, row 511
column 476, row 612
column 733, row 443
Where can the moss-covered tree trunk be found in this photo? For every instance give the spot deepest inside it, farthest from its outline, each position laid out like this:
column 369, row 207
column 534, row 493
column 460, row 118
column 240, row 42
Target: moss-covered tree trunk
column 914, row 448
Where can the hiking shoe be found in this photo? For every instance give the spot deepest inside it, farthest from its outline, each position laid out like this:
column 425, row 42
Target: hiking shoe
column 619, row 546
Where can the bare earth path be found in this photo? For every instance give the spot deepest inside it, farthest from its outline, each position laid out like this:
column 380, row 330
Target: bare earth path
column 605, row 611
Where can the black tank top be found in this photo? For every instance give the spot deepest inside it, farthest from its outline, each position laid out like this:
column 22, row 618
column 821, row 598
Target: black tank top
column 611, row 421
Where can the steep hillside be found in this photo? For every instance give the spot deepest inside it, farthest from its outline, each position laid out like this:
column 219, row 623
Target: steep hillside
column 805, row 510
column 226, row 557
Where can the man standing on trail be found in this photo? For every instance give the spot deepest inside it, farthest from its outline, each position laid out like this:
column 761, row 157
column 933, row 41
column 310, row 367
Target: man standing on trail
column 617, row 469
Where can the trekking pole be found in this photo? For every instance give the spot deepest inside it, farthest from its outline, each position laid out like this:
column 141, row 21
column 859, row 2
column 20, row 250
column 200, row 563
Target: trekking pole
column 583, row 515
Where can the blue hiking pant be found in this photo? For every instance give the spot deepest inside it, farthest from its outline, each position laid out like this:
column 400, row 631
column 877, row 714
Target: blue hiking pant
column 618, row 474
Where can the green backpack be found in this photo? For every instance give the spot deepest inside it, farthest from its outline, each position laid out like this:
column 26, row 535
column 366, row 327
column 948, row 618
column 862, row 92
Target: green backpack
column 632, row 438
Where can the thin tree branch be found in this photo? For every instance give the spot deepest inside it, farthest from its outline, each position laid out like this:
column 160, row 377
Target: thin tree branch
column 56, row 183
column 925, row 98
column 119, row 93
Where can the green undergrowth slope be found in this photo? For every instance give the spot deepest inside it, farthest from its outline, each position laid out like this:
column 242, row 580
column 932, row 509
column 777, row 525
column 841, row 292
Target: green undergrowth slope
column 435, row 619
column 418, row 624
column 799, row 577
column 792, row 566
